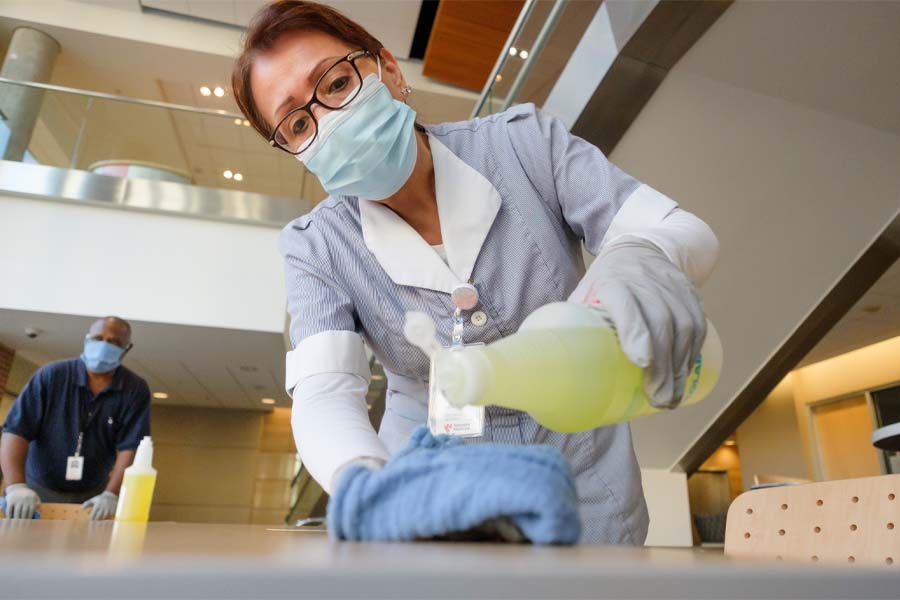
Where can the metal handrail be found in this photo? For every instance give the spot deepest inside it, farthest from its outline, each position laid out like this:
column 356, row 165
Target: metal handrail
column 117, row 98
column 504, row 54
column 536, row 48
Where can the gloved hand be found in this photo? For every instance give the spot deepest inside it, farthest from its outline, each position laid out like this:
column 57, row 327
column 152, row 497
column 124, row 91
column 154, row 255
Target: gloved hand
column 657, row 313
column 104, row 506
column 21, row 501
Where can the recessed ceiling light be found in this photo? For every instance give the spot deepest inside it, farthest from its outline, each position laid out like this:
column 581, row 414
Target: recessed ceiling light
column 377, row 377
column 238, row 177
column 513, row 51
column 219, row 92
column 370, row 406
column 268, row 401
column 246, row 123
column 227, row 174
column 498, row 78
column 730, row 443
column 237, row 121
column 160, row 395
column 523, row 55
column 205, row 91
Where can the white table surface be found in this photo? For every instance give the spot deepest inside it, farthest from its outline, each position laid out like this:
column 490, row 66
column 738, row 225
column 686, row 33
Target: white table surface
column 174, row 560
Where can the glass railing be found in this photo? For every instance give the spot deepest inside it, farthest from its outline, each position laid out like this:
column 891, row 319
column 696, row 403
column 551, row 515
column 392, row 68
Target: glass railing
column 538, row 47
column 114, row 135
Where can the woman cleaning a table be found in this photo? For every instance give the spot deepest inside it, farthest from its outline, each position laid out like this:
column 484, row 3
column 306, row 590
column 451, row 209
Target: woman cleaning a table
column 502, row 203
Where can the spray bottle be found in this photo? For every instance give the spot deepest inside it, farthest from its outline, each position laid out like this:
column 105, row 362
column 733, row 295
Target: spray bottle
column 564, row 367
column 137, row 486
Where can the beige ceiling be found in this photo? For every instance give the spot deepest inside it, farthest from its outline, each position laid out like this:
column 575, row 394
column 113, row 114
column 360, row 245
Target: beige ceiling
column 395, row 32
column 876, row 317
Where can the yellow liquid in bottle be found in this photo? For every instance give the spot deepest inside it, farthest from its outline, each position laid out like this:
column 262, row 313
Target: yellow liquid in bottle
column 573, row 379
column 135, row 497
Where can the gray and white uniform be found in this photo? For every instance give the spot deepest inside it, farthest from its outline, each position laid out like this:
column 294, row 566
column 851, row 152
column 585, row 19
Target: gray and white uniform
column 517, row 195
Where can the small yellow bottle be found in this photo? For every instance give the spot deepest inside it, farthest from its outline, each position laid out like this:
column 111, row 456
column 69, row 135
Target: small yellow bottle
column 137, row 485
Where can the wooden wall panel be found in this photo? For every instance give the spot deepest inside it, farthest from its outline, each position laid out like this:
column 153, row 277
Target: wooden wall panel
column 466, row 39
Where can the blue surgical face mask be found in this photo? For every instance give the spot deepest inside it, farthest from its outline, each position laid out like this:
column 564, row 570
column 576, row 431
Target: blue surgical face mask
column 100, row 356
column 367, row 149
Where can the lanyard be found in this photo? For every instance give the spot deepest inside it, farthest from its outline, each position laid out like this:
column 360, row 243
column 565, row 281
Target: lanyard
column 85, row 419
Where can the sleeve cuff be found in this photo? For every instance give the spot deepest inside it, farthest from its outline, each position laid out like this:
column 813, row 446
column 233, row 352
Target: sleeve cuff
column 644, row 208
column 28, row 437
column 326, row 352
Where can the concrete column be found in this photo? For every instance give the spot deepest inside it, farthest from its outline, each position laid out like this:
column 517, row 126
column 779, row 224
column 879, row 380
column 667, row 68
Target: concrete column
column 30, row 57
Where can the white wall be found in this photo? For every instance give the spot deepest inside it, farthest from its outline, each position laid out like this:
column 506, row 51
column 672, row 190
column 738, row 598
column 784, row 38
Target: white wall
column 776, row 439
column 667, row 502
column 83, row 260
column 780, row 128
column 770, row 440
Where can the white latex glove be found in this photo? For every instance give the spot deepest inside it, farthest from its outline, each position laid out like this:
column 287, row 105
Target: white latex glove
column 21, row 501
column 656, row 310
column 102, row 506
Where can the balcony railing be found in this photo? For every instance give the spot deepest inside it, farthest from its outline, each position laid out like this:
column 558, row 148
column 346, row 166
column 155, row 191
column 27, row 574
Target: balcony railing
column 144, row 139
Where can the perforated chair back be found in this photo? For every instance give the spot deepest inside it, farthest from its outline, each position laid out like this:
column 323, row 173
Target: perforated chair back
column 851, row 521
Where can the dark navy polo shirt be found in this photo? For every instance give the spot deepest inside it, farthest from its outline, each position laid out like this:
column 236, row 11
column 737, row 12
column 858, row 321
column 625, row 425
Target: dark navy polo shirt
column 48, row 413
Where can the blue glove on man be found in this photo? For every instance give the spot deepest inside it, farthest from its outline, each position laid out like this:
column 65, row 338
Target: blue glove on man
column 439, row 486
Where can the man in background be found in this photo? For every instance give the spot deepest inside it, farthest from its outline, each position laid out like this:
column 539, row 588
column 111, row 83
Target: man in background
column 74, row 429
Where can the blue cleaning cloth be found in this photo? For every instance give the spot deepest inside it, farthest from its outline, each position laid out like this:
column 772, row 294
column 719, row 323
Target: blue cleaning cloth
column 36, row 515
column 438, row 485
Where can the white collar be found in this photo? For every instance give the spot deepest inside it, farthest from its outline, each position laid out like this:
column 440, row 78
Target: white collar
column 467, row 205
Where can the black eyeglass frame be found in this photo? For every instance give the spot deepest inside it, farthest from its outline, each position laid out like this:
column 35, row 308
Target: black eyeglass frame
column 351, row 58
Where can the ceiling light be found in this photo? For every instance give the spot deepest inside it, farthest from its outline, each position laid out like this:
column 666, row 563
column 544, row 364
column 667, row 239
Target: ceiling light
column 498, row 78
column 227, row 174
column 523, row 55
column 370, row 406
column 513, row 51
column 219, row 92
column 268, row 401
column 160, row 395
column 238, row 177
column 246, row 123
column 377, row 377
column 205, row 91
column 730, row 443
column 237, row 121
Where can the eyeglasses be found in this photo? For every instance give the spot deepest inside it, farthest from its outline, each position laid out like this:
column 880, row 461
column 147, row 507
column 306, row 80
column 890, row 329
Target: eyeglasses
column 334, row 90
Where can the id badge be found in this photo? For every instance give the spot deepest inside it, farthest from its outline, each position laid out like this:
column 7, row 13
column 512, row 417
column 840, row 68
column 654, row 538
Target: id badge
column 446, row 419
column 74, row 468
